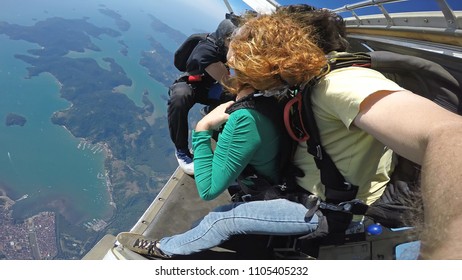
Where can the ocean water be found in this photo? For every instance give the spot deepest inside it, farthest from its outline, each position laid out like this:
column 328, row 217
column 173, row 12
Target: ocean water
column 42, row 165
column 40, row 161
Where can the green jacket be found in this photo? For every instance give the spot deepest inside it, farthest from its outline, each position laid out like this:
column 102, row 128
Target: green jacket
column 248, row 137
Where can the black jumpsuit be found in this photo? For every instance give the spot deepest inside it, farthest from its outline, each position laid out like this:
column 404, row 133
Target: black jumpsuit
column 184, row 95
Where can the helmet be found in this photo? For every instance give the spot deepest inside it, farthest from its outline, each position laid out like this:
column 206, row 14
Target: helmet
column 224, row 30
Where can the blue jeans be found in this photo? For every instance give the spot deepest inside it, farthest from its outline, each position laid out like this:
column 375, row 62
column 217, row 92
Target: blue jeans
column 272, row 217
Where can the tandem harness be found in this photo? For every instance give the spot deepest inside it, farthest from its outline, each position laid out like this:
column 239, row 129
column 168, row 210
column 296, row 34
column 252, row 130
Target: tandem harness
column 341, row 203
column 337, row 211
column 418, row 75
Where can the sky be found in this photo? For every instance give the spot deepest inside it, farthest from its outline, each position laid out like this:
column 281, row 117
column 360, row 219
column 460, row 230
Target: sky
column 204, row 15
column 195, row 15
column 425, row 5
column 199, row 14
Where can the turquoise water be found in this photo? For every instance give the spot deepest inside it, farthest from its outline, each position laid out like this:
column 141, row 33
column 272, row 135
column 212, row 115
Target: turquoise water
column 44, row 161
column 40, row 159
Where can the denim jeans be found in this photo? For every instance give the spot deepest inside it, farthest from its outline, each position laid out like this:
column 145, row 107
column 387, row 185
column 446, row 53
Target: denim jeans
column 272, row 217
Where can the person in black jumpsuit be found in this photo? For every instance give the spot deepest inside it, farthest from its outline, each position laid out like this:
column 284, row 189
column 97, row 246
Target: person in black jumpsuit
column 201, row 84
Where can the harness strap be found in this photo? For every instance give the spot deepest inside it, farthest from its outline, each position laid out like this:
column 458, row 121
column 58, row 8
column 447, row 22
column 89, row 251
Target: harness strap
column 340, row 194
column 300, row 134
column 337, row 189
column 341, row 60
column 355, row 207
column 194, row 78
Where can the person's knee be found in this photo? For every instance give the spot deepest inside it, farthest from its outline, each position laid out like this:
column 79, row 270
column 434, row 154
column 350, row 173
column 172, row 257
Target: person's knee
column 221, row 213
column 220, row 224
column 180, row 89
column 222, row 220
column 181, row 95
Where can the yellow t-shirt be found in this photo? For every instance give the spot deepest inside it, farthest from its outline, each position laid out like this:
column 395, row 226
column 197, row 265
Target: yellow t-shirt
column 361, row 159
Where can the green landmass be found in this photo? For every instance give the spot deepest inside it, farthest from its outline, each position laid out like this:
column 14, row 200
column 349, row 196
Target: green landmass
column 173, row 34
column 101, row 114
column 160, row 68
column 15, row 119
column 122, row 24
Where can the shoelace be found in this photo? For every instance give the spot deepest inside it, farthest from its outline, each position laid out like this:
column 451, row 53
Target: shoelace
column 145, row 244
column 151, row 246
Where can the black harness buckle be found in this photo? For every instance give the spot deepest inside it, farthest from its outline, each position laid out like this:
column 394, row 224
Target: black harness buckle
column 355, row 207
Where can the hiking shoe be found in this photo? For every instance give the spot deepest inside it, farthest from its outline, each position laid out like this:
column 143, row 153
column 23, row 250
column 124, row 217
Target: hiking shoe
column 141, row 244
column 185, row 161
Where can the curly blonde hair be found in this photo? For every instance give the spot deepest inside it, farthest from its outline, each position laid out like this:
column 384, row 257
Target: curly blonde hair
column 272, row 51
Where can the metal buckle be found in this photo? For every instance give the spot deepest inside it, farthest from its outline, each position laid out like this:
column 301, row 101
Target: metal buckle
column 344, row 207
column 348, row 186
column 246, row 197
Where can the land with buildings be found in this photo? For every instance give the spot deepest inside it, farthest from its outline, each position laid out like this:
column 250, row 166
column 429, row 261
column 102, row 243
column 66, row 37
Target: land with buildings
column 31, row 239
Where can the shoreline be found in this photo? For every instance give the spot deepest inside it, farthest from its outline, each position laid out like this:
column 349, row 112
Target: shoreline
column 8, row 191
column 97, row 148
column 83, row 144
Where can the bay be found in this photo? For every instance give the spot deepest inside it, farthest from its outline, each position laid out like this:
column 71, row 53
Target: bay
column 42, row 160
column 43, row 166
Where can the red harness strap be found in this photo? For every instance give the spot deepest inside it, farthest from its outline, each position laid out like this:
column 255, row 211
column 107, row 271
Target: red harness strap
column 288, row 112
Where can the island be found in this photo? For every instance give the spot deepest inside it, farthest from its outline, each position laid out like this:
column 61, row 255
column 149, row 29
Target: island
column 133, row 137
column 15, row 119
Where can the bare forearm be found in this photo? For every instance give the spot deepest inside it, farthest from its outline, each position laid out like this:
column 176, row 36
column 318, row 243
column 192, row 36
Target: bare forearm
column 442, row 194
column 217, row 71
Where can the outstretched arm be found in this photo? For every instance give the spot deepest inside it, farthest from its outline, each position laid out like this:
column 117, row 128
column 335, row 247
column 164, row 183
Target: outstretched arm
column 442, row 186
column 427, row 134
column 218, row 71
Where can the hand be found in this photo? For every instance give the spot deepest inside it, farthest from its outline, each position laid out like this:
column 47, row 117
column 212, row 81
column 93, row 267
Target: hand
column 215, row 118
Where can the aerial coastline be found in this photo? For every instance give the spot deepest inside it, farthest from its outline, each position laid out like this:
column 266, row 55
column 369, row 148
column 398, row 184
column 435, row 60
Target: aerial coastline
column 103, row 117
